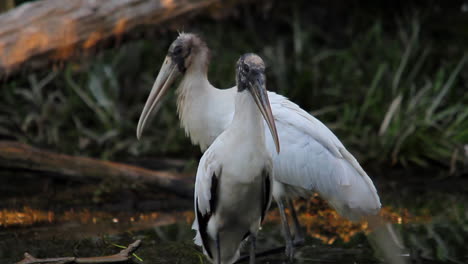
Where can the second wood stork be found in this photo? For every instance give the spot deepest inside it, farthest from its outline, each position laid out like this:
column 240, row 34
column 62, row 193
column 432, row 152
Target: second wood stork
column 234, row 184
column 312, row 158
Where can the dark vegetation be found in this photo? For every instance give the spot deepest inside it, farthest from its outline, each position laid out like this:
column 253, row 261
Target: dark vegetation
column 388, row 77
column 388, row 80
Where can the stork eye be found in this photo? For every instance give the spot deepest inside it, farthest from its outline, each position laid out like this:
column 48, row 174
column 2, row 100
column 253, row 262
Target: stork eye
column 177, row 50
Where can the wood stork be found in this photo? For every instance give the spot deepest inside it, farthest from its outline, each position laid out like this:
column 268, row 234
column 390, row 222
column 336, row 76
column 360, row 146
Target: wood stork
column 234, row 184
column 312, row 158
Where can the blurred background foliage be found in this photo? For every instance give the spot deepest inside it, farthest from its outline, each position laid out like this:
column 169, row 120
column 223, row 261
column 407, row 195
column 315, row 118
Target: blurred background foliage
column 388, row 77
column 385, row 77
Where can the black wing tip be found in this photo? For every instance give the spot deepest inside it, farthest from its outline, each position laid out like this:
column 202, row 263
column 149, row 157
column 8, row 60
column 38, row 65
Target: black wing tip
column 266, row 192
column 202, row 221
column 213, row 193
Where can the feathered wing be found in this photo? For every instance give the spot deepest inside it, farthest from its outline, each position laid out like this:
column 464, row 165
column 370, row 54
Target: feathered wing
column 313, row 158
column 266, row 191
column 206, row 192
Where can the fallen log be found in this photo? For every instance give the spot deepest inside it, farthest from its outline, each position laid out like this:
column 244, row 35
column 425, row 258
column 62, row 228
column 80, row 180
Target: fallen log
column 36, row 33
column 15, row 155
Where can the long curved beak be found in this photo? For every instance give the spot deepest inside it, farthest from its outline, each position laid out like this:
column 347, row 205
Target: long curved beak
column 166, row 77
column 260, row 96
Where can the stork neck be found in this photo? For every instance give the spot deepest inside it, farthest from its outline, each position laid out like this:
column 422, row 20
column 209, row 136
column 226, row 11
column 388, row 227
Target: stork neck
column 194, row 85
column 248, row 118
column 195, row 79
column 193, row 97
column 200, row 62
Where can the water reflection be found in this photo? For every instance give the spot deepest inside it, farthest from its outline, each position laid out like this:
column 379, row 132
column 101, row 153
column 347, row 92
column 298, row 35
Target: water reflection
column 433, row 232
column 25, row 217
column 323, row 223
column 30, row 217
column 319, row 220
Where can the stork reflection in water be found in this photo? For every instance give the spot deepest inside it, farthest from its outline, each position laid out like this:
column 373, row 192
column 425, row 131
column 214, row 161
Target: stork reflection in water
column 312, row 158
column 233, row 185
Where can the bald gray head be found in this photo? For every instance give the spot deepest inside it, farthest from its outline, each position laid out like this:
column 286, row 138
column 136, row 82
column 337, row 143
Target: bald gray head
column 187, row 53
column 183, row 50
column 250, row 77
column 250, row 67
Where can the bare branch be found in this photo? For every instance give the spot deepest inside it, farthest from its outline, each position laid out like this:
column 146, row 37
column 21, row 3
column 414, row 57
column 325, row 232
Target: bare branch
column 123, row 256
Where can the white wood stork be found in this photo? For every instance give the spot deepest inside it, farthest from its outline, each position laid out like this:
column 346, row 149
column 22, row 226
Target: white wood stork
column 312, row 158
column 234, row 184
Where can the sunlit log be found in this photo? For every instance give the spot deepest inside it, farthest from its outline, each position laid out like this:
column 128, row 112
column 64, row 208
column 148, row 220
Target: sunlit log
column 14, row 155
column 37, row 33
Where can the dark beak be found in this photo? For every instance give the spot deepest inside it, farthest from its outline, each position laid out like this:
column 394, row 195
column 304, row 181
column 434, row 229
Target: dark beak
column 166, row 77
column 260, row 95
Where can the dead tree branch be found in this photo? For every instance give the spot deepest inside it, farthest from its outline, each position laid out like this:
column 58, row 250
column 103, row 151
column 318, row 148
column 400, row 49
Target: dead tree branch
column 123, row 256
column 15, row 155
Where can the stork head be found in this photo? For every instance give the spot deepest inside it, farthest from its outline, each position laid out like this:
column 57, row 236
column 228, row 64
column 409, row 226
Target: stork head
column 250, row 78
column 187, row 52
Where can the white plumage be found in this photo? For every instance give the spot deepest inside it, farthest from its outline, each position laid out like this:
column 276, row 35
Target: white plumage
column 233, row 183
column 312, row 158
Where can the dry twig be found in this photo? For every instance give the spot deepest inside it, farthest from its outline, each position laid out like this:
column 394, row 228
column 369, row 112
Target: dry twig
column 123, row 256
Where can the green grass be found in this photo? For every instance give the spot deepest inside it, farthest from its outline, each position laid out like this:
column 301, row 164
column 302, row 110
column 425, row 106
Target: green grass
column 90, row 108
column 389, row 102
column 391, row 94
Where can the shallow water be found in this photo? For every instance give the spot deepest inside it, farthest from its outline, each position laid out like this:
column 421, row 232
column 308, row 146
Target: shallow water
column 58, row 218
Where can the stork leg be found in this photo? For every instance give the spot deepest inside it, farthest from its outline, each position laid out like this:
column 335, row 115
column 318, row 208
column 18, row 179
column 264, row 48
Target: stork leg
column 286, row 232
column 253, row 246
column 299, row 235
column 218, row 249
column 267, row 252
